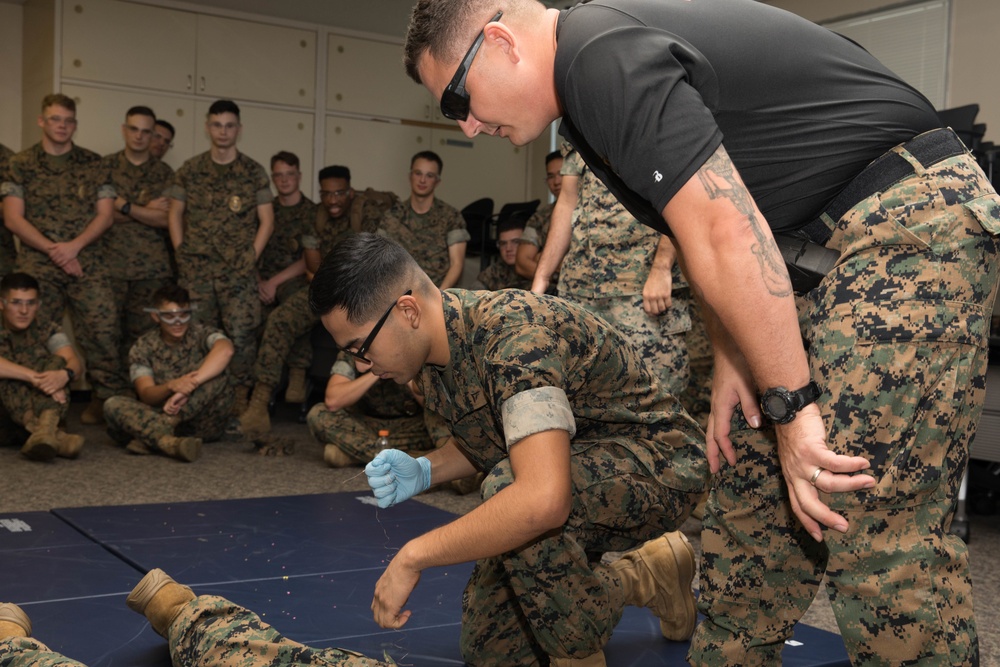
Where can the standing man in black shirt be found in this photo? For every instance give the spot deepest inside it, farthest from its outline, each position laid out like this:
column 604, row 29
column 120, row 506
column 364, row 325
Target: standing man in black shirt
column 723, row 123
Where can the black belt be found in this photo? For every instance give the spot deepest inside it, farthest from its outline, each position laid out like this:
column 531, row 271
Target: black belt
column 928, row 148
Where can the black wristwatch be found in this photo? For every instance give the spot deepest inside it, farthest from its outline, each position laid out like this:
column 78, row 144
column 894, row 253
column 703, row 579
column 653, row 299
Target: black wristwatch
column 126, row 208
column 781, row 405
column 70, row 373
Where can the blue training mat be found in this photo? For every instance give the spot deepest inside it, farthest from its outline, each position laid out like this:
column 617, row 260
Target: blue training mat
column 307, row 564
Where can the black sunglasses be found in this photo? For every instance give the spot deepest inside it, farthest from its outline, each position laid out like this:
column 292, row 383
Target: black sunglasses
column 454, row 99
column 360, row 354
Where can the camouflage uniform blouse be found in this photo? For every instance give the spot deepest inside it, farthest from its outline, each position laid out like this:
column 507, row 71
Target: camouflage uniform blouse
column 611, row 253
column 33, row 346
column 60, row 195
column 284, row 247
column 8, row 251
column 536, row 230
column 523, row 363
column 152, row 357
column 327, row 232
column 220, row 214
column 132, row 250
column 426, row 237
column 502, row 276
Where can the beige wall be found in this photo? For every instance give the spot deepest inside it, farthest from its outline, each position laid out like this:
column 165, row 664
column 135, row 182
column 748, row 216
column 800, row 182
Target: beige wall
column 11, row 18
column 973, row 34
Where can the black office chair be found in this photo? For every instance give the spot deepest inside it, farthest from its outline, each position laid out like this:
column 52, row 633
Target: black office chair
column 962, row 120
column 478, row 219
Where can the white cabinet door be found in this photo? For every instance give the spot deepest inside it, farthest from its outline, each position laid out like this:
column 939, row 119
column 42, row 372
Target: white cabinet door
column 367, row 77
column 129, row 44
column 267, row 131
column 378, row 154
column 482, row 167
column 101, row 114
column 254, row 61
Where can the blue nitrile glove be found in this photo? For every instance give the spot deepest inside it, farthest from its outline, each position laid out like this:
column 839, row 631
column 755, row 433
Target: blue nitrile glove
column 395, row 476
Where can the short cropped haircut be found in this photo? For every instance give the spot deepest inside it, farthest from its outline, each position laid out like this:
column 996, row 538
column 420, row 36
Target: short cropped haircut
column 554, row 155
column 223, row 106
column 335, row 171
column 430, row 156
column 171, row 294
column 362, row 275
column 170, row 128
column 17, row 280
column 291, row 159
column 141, row 111
column 58, row 99
column 513, row 222
column 446, row 28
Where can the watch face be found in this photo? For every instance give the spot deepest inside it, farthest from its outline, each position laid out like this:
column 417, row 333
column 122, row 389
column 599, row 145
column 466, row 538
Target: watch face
column 775, row 405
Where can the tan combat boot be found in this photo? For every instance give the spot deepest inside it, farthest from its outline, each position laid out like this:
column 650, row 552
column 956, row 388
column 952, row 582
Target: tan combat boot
column 93, row 414
column 256, row 421
column 658, row 575
column 13, row 621
column 183, row 449
column 160, row 599
column 336, row 457
column 43, row 443
column 595, row 660
column 296, row 390
column 70, row 444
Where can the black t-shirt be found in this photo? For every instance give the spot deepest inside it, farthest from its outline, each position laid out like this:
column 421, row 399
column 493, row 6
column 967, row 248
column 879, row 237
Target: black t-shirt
column 650, row 88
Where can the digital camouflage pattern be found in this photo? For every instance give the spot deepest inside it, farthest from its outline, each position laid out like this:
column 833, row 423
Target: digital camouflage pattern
column 132, row 250
column 284, row 248
column 426, row 237
column 213, row 630
column 60, row 194
column 292, row 320
column 28, row 652
column 638, row 463
column 897, row 336
column 386, row 405
column 137, row 255
column 206, row 413
column 606, row 267
column 501, row 276
column 536, row 230
column 220, row 215
column 8, row 251
column 34, row 348
column 697, row 396
column 216, row 260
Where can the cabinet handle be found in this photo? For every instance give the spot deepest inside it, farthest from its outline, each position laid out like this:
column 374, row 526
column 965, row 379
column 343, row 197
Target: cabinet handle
column 190, row 81
column 202, row 79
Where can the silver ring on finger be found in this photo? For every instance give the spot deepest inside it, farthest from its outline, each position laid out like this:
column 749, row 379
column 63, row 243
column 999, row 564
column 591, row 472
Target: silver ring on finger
column 815, row 476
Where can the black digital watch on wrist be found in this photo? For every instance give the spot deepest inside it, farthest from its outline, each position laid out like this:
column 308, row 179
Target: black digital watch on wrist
column 781, row 405
column 126, row 208
column 70, row 374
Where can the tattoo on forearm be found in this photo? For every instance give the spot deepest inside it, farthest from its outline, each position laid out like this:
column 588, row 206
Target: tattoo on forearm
column 718, row 177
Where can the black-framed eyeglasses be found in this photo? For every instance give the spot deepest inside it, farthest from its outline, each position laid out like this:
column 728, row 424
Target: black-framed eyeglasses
column 454, row 99
column 360, row 353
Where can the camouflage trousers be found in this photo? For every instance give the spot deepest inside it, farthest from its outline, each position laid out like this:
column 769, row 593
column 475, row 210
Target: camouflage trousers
column 28, row 652
column 96, row 330
column 286, row 326
column 897, row 338
column 659, row 338
column 553, row 596
column 211, row 630
column 230, row 302
column 204, row 416
column 355, row 433
column 18, row 398
column 697, row 396
column 131, row 298
column 299, row 354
